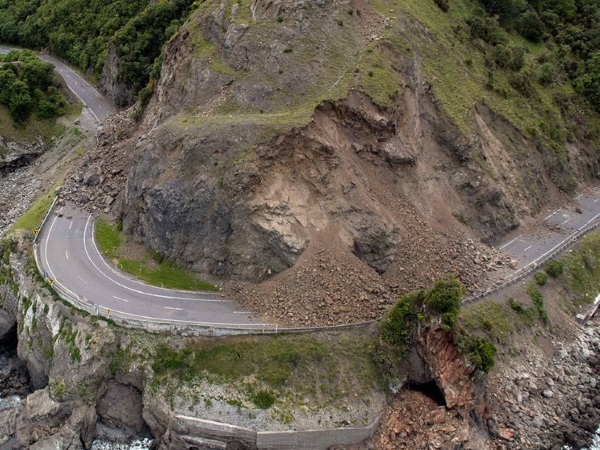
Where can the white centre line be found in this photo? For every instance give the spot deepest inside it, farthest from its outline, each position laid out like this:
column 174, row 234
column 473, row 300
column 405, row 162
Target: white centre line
column 71, row 225
column 119, row 298
column 174, row 309
column 566, row 221
column 67, row 254
column 510, row 242
column 527, row 248
column 547, row 217
column 82, row 279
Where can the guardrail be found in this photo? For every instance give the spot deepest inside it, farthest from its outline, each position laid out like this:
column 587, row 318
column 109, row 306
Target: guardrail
column 167, row 325
column 39, row 228
column 201, row 328
column 533, row 266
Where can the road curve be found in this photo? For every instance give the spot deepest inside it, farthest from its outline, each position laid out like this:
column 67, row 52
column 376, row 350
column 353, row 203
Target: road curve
column 69, row 256
column 99, row 106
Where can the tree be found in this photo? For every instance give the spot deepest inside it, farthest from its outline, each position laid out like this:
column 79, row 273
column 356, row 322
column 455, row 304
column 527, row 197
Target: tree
column 20, row 103
column 531, row 26
column 588, row 82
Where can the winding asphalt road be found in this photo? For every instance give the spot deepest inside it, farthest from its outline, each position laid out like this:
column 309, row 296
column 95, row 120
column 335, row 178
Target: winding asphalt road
column 69, row 256
column 68, row 253
column 98, row 105
column 558, row 226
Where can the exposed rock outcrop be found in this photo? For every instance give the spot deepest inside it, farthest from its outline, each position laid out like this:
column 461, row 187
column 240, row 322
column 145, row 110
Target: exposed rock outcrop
column 68, row 359
column 448, row 368
column 14, row 155
column 111, row 83
column 230, row 180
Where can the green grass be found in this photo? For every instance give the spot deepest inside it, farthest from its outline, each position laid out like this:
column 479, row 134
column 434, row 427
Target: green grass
column 581, row 270
column 272, row 360
column 108, row 238
column 157, row 273
column 29, row 132
column 495, row 320
column 32, row 219
column 457, row 72
column 318, row 369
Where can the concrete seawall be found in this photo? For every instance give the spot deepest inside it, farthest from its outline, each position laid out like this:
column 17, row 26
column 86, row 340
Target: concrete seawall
column 200, row 433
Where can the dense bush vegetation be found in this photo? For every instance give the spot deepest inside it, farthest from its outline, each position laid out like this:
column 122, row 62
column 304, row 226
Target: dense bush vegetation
column 541, row 278
column 441, row 303
column 570, row 28
column 81, row 32
column 28, row 84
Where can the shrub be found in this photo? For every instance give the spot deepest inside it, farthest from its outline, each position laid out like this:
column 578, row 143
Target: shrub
column 487, row 29
column 541, row 278
column 516, row 306
column 263, row 399
column 531, row 27
column 482, row 354
column 538, row 301
column 445, row 299
column 555, row 268
column 588, row 82
column 546, row 74
column 512, row 58
column 444, row 5
column 521, row 82
column 400, row 321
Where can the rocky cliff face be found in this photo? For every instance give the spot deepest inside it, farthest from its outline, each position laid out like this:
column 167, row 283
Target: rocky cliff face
column 14, row 155
column 111, row 83
column 241, row 162
column 68, row 359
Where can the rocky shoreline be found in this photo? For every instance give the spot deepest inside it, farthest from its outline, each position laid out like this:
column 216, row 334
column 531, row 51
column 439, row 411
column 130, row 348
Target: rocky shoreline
column 549, row 402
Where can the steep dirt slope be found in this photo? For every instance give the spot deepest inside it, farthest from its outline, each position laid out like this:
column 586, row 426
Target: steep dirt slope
column 281, row 129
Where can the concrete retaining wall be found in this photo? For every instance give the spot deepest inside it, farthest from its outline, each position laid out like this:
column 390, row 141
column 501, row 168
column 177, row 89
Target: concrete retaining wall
column 217, row 434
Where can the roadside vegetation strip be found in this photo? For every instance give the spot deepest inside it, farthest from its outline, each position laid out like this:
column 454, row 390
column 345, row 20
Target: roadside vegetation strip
column 152, row 270
column 274, row 371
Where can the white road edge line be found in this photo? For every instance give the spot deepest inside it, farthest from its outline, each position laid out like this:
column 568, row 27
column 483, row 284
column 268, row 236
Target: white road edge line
column 140, row 283
column 209, row 324
column 127, row 287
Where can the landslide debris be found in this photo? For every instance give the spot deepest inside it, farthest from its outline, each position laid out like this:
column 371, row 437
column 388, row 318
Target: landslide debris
column 287, row 140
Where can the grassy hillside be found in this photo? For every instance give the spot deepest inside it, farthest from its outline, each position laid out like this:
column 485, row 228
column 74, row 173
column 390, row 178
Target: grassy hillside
column 469, row 57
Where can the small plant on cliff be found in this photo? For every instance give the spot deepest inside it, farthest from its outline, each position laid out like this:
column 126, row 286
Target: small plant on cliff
column 541, row 278
column 481, row 353
column 555, row 268
column 538, row 301
column 263, row 399
column 401, row 321
column 445, row 299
